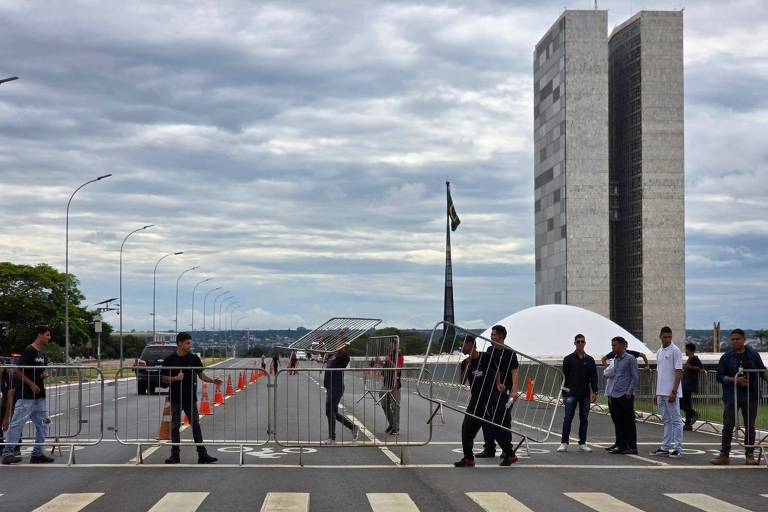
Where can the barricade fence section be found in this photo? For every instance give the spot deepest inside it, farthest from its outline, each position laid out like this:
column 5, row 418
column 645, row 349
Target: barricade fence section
column 381, row 353
column 490, row 382
column 748, row 411
column 232, row 409
column 67, row 404
column 334, row 407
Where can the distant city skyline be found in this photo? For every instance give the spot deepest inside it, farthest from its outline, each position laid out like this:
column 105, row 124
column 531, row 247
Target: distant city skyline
column 298, row 152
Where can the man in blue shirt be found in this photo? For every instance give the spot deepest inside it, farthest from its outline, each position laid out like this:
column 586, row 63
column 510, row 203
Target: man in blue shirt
column 741, row 390
column 624, row 374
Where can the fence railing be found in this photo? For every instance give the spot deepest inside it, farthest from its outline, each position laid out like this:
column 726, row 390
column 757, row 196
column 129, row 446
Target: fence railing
column 748, row 411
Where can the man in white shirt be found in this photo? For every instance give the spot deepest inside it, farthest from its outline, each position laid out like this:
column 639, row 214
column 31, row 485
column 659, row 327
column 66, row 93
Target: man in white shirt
column 669, row 372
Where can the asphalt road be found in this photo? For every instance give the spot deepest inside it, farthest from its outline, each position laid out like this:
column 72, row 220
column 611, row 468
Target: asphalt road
column 366, row 474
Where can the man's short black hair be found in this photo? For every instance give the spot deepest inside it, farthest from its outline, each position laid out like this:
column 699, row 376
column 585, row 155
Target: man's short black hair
column 470, row 338
column 578, row 336
column 500, row 330
column 665, row 330
column 619, row 339
column 740, row 332
column 183, row 336
column 42, row 329
column 691, row 347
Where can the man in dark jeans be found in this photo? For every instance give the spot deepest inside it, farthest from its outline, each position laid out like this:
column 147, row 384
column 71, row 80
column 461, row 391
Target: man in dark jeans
column 744, row 388
column 185, row 368
column 8, row 384
column 581, row 389
column 691, row 370
column 624, row 375
column 333, row 382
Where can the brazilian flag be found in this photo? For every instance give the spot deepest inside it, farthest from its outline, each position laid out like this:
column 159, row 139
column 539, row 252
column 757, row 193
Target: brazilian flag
column 455, row 221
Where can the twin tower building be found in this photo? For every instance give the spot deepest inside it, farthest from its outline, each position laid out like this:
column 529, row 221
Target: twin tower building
column 609, row 169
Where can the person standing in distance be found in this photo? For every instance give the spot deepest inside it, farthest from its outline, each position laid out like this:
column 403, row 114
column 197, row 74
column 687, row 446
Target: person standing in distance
column 333, row 382
column 669, row 374
column 31, row 404
column 691, row 369
column 580, row 389
column 185, row 368
column 275, row 363
column 625, row 374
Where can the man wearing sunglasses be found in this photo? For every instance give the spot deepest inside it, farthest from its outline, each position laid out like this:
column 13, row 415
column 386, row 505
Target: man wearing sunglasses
column 580, row 389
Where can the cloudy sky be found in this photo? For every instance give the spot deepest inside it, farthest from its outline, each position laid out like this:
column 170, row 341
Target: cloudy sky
column 297, row 152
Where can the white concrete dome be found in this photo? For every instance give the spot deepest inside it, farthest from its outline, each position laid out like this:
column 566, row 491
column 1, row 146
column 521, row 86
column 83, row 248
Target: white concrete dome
column 548, row 331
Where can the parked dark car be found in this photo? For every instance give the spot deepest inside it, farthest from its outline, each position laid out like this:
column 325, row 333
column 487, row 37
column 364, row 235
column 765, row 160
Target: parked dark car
column 148, row 367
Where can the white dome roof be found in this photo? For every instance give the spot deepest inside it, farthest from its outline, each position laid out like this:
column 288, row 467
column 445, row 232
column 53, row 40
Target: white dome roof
column 549, row 331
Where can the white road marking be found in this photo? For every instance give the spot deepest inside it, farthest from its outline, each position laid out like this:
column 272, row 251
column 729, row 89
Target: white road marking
column 705, row 502
column 497, row 502
column 179, row 502
column 93, row 405
column 286, row 502
column 391, row 502
column 146, row 453
column 69, row 502
column 601, row 502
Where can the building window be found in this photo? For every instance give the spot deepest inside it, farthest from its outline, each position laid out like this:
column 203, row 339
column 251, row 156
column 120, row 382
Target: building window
column 550, row 224
column 558, row 297
column 556, row 196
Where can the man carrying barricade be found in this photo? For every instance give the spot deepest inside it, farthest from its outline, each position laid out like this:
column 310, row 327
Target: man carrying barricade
column 292, row 362
column 333, row 382
column 621, row 395
column 183, row 395
column 691, row 369
column 580, row 389
column 390, row 397
column 494, row 372
column 669, row 374
column 30, row 386
column 741, row 391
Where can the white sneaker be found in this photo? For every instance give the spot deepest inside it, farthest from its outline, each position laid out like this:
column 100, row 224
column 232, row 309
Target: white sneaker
column 562, row 448
column 584, row 448
column 328, row 441
column 355, row 433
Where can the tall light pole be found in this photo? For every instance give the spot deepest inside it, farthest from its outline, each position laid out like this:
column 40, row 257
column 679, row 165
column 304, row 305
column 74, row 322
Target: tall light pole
column 213, row 316
column 66, row 267
column 194, row 289
column 235, row 307
column 120, row 311
column 177, row 294
column 205, row 298
column 221, row 305
column 154, row 288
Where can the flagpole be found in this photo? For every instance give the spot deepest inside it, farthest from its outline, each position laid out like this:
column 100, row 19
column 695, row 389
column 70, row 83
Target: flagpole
column 448, row 311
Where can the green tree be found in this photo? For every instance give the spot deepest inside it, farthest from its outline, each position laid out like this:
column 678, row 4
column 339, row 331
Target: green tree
column 761, row 334
column 34, row 295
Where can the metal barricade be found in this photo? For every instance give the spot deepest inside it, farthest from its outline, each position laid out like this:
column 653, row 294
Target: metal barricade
column 750, row 398
column 382, row 352
column 74, row 398
column 449, row 361
column 309, row 407
column 234, row 413
column 707, row 404
column 333, row 334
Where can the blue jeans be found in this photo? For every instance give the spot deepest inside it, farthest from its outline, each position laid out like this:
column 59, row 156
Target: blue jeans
column 36, row 410
column 570, row 410
column 673, row 423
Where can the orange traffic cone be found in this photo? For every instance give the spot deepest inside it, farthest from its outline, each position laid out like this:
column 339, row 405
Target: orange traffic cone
column 253, row 376
column 218, row 398
column 186, row 419
column 165, row 423
column 205, row 385
column 241, row 384
column 529, row 389
column 205, row 405
column 230, row 389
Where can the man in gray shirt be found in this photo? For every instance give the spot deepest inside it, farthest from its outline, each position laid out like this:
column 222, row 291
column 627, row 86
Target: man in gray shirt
column 624, row 375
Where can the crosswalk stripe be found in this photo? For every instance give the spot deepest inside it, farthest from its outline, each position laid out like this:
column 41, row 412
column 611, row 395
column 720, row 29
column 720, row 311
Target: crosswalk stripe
column 179, row 502
column 497, row 502
column 391, row 502
column 601, row 502
column 705, row 502
column 69, row 502
column 286, row 502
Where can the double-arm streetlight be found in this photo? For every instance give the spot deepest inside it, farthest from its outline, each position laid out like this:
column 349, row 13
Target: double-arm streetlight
column 154, row 288
column 177, row 294
column 66, row 266
column 234, row 307
column 193, row 300
column 120, row 311
column 205, row 298
column 213, row 316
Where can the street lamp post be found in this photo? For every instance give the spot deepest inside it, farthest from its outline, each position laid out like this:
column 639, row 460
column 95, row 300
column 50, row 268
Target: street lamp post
column 213, row 316
column 221, row 305
column 154, row 289
column 235, row 307
column 193, row 299
column 177, row 294
column 205, row 298
column 66, row 267
column 120, row 311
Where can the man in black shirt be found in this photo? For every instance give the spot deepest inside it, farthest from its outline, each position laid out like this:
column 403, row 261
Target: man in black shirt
column 8, row 383
column 31, row 403
column 691, row 370
column 495, row 372
column 580, row 389
column 333, row 382
column 184, row 369
column 275, row 363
